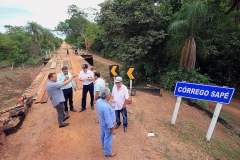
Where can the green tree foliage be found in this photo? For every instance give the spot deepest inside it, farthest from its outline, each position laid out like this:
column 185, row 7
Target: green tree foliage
column 18, row 44
column 94, row 35
column 75, row 26
column 158, row 37
column 170, row 78
column 35, row 30
column 186, row 31
column 135, row 32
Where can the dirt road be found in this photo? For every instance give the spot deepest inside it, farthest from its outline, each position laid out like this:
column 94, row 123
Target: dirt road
column 40, row 138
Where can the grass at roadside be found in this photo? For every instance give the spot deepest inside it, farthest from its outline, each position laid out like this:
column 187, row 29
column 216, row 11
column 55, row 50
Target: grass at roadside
column 221, row 149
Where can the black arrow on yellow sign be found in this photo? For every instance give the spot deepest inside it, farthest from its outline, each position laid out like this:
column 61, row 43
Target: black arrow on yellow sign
column 130, row 72
column 114, row 70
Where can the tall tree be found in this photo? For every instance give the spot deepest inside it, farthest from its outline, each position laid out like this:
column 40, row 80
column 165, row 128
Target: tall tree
column 76, row 25
column 35, row 30
column 186, row 32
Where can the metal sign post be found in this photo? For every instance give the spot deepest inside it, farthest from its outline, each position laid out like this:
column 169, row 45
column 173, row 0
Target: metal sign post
column 130, row 84
column 214, row 121
column 175, row 113
column 221, row 95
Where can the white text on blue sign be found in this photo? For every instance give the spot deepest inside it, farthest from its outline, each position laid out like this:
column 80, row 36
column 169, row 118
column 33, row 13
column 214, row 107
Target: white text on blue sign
column 204, row 92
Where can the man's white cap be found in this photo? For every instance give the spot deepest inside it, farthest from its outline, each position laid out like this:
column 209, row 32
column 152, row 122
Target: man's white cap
column 118, row 79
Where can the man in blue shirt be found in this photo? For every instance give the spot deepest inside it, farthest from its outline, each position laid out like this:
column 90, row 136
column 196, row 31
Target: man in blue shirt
column 106, row 117
column 67, row 89
column 56, row 96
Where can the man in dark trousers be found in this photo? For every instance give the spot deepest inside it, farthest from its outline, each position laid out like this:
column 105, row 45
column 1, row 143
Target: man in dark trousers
column 67, row 89
column 87, row 77
column 56, row 96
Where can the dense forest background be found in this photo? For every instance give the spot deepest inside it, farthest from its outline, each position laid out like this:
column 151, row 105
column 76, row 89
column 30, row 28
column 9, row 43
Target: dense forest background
column 26, row 44
column 165, row 40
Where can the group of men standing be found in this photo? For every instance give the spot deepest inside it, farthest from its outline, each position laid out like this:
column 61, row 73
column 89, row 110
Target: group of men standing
column 60, row 90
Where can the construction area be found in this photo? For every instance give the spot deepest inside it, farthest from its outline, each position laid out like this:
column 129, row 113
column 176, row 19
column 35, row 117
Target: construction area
column 31, row 129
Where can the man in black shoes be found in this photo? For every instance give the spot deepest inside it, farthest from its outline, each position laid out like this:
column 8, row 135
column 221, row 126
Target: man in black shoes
column 67, row 89
column 87, row 77
column 56, row 96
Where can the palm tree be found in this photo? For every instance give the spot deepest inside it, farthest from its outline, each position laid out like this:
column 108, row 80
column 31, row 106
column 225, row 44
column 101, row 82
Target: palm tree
column 35, row 30
column 185, row 29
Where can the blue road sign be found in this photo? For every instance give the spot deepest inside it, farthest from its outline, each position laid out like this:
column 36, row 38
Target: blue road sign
column 204, row 92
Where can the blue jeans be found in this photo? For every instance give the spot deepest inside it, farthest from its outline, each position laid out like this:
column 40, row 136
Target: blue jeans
column 124, row 114
column 106, row 139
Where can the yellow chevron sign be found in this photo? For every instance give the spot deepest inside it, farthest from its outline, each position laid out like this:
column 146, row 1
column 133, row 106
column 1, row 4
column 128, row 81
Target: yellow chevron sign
column 130, row 73
column 114, row 70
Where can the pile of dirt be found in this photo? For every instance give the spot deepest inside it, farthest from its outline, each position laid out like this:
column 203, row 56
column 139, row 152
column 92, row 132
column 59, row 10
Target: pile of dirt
column 13, row 83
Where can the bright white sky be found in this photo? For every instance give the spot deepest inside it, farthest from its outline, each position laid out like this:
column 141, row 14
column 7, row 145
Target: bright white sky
column 47, row 13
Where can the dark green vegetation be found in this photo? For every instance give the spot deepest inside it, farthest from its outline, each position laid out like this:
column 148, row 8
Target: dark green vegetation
column 26, row 44
column 160, row 37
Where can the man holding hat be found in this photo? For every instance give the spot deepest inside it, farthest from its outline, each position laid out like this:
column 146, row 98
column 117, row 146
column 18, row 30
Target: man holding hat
column 120, row 99
column 87, row 77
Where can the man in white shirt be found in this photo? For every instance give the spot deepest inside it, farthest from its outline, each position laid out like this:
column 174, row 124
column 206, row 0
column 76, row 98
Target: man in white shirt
column 67, row 89
column 120, row 100
column 99, row 85
column 86, row 76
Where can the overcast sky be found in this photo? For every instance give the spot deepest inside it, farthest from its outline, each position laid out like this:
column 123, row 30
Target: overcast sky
column 47, row 13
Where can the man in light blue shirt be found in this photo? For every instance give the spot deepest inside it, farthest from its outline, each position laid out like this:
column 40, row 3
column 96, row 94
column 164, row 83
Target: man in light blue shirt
column 106, row 116
column 67, row 89
column 99, row 85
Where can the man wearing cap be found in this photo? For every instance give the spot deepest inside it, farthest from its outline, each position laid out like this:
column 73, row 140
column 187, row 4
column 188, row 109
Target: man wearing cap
column 106, row 117
column 120, row 99
column 99, row 85
column 67, row 89
column 86, row 76
column 56, row 96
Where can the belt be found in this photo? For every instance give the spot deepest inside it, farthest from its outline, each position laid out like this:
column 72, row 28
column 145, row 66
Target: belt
column 88, row 84
column 67, row 88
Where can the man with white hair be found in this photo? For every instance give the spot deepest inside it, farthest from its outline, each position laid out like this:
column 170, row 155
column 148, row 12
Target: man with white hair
column 106, row 117
column 120, row 100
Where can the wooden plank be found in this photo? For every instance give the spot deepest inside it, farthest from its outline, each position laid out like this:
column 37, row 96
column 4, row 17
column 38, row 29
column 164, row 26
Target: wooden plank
column 41, row 93
column 61, row 64
column 34, row 90
column 42, row 86
column 45, row 97
column 53, row 65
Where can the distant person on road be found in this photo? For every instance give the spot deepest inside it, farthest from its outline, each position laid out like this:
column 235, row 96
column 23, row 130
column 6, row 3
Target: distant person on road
column 86, row 76
column 99, row 85
column 76, row 51
column 120, row 99
column 56, row 96
column 106, row 117
column 67, row 89
column 67, row 52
